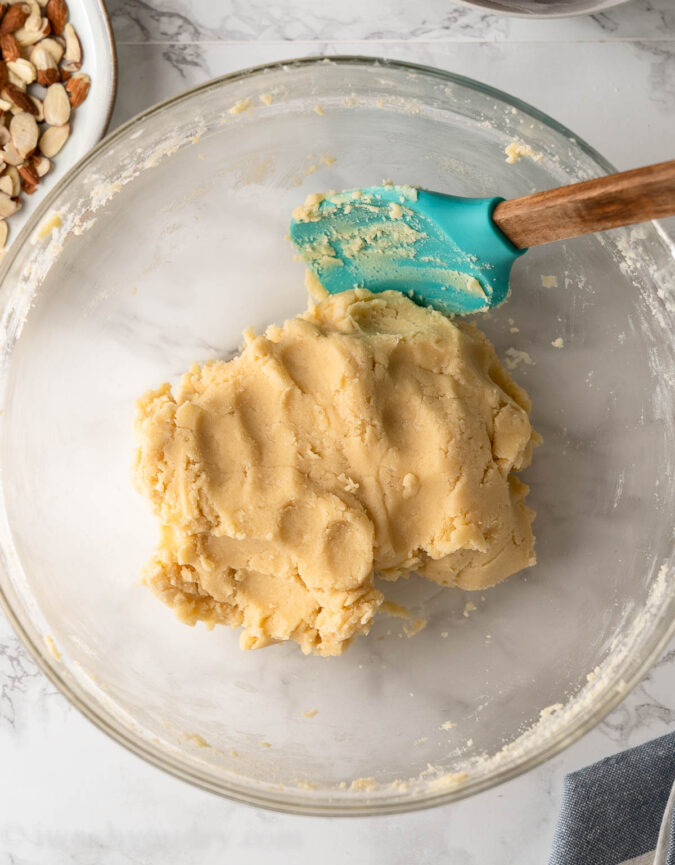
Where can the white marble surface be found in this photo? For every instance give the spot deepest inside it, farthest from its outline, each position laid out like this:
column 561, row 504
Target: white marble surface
column 70, row 795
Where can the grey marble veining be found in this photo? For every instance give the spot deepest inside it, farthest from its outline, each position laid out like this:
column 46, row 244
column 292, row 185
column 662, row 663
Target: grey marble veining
column 376, row 21
column 71, row 796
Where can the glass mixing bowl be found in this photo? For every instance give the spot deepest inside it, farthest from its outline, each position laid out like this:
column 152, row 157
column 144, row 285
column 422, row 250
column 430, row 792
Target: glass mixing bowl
column 158, row 250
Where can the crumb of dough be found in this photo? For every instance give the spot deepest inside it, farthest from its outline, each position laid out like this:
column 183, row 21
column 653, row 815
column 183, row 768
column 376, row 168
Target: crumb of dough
column 310, row 713
column 447, row 725
column 417, row 626
column 469, row 607
column 517, row 149
column 514, row 357
column 266, row 98
column 445, row 634
column 396, row 610
column 240, row 106
column 319, row 110
column 265, row 744
column 50, row 224
column 363, row 785
column 558, row 342
column 550, row 710
column 421, row 740
column 244, row 462
column 550, row 281
column 448, row 781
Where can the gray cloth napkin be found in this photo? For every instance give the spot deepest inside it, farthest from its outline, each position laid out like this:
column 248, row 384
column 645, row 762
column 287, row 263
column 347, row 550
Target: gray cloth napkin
column 620, row 811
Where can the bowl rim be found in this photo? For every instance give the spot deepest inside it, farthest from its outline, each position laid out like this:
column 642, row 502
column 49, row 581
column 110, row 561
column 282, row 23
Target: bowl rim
column 266, row 798
column 499, row 8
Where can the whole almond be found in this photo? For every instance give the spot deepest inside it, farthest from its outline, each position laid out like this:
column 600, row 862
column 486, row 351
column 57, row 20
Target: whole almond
column 53, row 139
column 57, row 13
column 9, row 47
column 3, row 234
column 23, row 102
column 56, row 105
column 14, row 18
column 28, row 173
column 24, row 132
column 78, row 88
column 23, row 70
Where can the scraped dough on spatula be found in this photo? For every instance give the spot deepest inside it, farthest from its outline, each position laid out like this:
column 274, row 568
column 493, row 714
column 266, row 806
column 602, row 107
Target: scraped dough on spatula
column 368, row 436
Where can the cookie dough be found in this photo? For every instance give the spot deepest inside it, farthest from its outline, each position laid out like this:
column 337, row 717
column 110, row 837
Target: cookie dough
column 368, row 436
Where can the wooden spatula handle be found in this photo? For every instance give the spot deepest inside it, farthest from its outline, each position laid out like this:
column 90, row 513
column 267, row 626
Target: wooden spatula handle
column 606, row 202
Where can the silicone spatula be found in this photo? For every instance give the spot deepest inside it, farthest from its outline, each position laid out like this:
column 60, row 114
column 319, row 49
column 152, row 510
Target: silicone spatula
column 455, row 254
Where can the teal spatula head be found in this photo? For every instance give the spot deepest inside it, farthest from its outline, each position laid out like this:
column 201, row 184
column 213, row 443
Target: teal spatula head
column 440, row 250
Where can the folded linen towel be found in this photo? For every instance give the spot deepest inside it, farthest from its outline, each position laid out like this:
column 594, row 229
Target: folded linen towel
column 620, row 811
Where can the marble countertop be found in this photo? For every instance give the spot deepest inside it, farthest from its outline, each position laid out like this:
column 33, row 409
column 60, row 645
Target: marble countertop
column 70, row 795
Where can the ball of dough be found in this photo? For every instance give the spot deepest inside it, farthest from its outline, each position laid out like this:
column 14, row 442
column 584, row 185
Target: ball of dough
column 366, row 437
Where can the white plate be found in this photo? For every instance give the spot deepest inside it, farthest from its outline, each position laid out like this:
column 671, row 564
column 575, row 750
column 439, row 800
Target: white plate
column 89, row 121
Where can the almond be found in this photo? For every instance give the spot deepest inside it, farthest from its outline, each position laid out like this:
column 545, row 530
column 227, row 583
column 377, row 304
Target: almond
column 73, row 53
column 39, row 109
column 24, row 132
column 53, row 139
column 41, row 164
column 4, row 75
column 9, row 47
column 23, row 70
column 4, row 135
column 13, row 175
column 8, row 205
column 15, row 80
column 28, row 173
column 52, row 47
column 34, row 20
column 6, row 185
column 46, row 67
column 57, row 14
column 11, row 155
column 56, row 105
column 78, row 88
column 29, row 37
column 17, row 97
column 3, row 234
column 14, row 17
